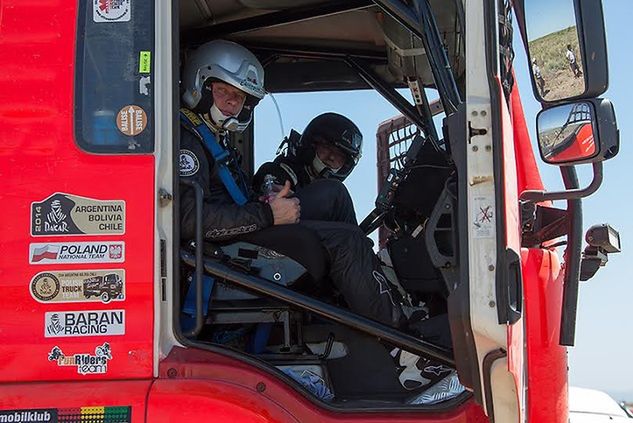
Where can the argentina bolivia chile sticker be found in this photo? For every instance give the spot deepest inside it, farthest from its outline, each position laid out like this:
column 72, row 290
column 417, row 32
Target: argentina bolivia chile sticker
column 67, row 214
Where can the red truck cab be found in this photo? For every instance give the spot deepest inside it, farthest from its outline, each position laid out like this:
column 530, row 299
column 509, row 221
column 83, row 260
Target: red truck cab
column 95, row 324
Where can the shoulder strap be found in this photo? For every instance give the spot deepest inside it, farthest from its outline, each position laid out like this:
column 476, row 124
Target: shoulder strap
column 221, row 156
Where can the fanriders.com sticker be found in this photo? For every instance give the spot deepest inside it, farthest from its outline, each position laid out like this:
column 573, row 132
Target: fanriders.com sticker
column 85, row 363
column 67, row 214
column 84, row 323
column 79, row 286
column 77, row 252
column 93, row 414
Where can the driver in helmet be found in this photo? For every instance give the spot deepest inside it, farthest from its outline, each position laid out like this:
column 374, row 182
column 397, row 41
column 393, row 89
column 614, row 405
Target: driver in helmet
column 315, row 163
column 329, row 148
column 223, row 82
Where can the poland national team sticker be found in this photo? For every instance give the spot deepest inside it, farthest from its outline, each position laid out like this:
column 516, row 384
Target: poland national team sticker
column 77, row 252
column 111, row 10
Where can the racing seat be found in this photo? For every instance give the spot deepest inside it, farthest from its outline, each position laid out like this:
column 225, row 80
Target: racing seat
column 287, row 255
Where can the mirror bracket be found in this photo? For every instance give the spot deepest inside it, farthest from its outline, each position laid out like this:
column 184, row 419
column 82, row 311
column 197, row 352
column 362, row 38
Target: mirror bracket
column 537, row 196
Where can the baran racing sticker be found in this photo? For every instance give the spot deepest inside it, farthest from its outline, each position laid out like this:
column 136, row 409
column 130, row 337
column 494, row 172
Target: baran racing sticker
column 59, row 324
column 67, row 214
column 77, row 252
column 92, row 414
column 79, row 286
column 111, row 10
column 85, row 363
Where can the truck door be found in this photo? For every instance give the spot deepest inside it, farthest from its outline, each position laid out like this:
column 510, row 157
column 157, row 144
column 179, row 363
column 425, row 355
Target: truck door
column 486, row 307
column 77, row 170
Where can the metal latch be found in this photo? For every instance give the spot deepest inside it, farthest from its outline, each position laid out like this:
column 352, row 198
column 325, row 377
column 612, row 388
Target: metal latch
column 164, row 197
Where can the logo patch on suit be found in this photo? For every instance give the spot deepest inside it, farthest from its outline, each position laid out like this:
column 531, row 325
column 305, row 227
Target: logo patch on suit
column 189, row 163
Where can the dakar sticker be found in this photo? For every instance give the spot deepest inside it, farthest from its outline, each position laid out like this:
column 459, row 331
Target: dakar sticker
column 85, row 363
column 84, row 323
column 79, row 286
column 77, row 252
column 111, row 10
column 189, row 163
column 67, row 214
column 131, row 120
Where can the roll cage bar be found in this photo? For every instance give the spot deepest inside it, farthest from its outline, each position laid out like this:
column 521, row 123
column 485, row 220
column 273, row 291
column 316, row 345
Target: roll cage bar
column 419, row 20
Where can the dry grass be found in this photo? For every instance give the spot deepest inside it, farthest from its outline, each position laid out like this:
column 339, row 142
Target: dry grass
column 549, row 52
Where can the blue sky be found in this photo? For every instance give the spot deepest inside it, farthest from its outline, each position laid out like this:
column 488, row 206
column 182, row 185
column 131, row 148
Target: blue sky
column 604, row 339
column 547, row 16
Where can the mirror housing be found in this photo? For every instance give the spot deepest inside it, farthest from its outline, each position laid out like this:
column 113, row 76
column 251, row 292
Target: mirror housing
column 559, row 73
column 579, row 132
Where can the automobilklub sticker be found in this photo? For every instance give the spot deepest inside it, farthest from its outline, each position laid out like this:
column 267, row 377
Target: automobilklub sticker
column 85, row 363
column 92, row 414
column 78, row 286
column 77, row 252
column 59, row 324
column 111, row 10
column 64, row 214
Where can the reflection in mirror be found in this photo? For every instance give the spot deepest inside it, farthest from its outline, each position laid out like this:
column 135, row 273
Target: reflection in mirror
column 554, row 49
column 566, row 133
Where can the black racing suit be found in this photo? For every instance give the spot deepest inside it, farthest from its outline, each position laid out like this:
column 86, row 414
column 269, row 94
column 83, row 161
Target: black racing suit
column 326, row 210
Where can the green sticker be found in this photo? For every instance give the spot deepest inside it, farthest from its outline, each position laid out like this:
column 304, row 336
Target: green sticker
column 145, row 62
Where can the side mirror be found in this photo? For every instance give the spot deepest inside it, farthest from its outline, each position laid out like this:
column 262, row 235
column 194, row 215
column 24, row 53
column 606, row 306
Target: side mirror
column 575, row 133
column 566, row 46
column 579, row 132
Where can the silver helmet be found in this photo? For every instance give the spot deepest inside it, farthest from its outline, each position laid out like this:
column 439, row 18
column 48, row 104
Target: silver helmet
column 225, row 61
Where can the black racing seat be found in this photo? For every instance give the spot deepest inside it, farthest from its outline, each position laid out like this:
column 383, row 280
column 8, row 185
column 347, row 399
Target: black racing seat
column 287, row 255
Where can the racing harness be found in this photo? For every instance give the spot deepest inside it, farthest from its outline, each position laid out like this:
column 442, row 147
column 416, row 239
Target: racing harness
column 221, row 156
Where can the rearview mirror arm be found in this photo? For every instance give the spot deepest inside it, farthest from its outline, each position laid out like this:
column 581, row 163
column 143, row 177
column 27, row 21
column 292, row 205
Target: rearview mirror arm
column 573, row 251
column 537, row 196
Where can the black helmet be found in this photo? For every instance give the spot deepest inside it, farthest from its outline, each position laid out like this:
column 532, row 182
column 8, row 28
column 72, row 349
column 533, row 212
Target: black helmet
column 333, row 129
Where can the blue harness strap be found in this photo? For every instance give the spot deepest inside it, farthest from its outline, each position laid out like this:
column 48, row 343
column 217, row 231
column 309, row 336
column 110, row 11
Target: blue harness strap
column 220, row 155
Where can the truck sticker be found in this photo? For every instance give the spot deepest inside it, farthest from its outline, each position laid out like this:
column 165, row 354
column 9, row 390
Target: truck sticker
column 111, row 10
column 94, row 414
column 67, row 214
column 85, row 363
column 79, row 286
column 131, row 120
column 483, row 219
column 84, row 323
column 77, row 252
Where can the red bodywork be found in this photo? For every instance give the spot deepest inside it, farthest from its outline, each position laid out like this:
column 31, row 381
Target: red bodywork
column 39, row 157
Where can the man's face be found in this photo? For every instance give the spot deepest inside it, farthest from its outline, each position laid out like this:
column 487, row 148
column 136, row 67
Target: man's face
column 332, row 156
column 227, row 98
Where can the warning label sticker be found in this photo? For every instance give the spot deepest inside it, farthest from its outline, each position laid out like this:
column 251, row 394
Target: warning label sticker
column 483, row 219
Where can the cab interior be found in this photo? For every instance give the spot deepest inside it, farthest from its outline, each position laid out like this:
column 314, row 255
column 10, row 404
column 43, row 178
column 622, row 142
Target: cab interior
column 244, row 300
